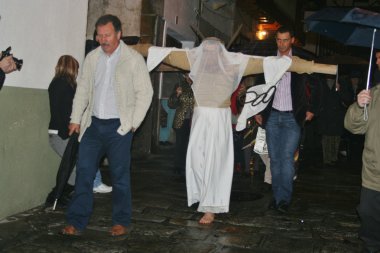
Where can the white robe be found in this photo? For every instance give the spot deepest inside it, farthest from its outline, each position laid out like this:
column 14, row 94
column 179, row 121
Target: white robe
column 210, row 158
column 209, row 164
column 216, row 73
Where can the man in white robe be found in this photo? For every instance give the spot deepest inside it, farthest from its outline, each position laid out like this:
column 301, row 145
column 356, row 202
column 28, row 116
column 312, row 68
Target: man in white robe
column 215, row 73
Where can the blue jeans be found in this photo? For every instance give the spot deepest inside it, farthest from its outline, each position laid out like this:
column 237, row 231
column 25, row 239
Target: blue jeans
column 99, row 139
column 98, row 179
column 283, row 136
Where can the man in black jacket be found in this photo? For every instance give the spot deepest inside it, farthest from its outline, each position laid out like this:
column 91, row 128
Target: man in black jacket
column 293, row 103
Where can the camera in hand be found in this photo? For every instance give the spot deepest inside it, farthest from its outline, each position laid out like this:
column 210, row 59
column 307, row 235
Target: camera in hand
column 6, row 53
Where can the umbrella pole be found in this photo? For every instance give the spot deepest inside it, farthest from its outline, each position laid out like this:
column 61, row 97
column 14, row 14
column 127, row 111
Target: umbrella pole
column 55, row 204
column 369, row 72
column 370, row 58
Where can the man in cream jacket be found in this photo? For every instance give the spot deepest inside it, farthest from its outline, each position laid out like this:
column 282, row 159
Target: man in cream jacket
column 113, row 95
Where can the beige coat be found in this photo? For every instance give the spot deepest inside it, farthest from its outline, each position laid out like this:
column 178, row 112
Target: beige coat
column 132, row 86
column 355, row 123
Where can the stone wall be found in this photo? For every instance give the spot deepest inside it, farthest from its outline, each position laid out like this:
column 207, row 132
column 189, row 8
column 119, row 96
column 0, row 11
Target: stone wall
column 128, row 11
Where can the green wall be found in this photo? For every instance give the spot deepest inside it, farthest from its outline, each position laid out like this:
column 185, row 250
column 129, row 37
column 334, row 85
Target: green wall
column 27, row 163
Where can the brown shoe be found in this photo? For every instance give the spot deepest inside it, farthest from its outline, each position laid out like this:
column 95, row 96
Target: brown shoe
column 71, row 231
column 118, row 230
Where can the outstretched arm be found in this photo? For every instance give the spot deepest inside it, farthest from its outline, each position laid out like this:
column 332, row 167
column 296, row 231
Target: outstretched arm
column 302, row 66
column 255, row 66
column 178, row 59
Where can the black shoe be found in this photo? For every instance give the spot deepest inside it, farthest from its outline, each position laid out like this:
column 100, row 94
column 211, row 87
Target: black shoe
column 272, row 204
column 283, row 206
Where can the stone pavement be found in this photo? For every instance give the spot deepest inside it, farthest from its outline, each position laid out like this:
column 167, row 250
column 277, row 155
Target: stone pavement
column 322, row 217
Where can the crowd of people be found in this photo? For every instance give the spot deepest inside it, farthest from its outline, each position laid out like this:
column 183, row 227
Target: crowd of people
column 112, row 95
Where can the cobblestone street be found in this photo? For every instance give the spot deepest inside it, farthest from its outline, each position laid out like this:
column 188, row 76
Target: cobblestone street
column 322, row 217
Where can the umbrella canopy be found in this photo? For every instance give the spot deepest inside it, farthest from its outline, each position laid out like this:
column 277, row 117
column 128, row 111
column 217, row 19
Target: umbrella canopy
column 355, row 27
column 66, row 166
column 349, row 26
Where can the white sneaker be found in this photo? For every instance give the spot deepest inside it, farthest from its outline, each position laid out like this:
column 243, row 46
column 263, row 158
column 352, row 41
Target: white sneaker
column 102, row 188
column 343, row 152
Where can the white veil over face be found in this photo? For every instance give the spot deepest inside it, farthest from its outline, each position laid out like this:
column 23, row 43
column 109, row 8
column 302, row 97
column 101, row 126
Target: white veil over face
column 215, row 72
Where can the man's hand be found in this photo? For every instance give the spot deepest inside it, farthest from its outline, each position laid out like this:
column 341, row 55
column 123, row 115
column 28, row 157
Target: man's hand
column 309, row 116
column 364, row 97
column 179, row 91
column 8, row 65
column 74, row 128
column 258, row 119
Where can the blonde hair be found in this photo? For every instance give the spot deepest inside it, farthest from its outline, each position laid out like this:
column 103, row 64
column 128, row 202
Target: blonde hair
column 67, row 67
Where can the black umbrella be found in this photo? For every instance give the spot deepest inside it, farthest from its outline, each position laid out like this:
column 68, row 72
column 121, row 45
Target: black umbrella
column 356, row 27
column 66, row 166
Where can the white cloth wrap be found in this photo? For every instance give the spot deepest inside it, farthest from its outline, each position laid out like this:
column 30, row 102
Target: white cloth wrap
column 156, row 55
column 260, row 142
column 215, row 72
column 274, row 68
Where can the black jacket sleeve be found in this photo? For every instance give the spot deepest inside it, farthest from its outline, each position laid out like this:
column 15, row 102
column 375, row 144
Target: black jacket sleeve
column 2, row 78
column 61, row 96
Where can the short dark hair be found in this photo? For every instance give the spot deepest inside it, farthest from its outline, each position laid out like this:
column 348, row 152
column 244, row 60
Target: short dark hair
column 103, row 20
column 285, row 29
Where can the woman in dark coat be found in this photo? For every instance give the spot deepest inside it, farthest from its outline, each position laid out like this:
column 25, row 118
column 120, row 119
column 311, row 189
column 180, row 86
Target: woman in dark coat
column 182, row 99
column 61, row 94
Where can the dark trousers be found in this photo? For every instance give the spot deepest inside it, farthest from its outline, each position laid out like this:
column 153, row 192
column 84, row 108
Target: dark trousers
column 182, row 135
column 355, row 146
column 369, row 212
column 100, row 139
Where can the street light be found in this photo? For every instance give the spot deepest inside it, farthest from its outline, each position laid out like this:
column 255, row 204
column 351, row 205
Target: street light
column 261, row 34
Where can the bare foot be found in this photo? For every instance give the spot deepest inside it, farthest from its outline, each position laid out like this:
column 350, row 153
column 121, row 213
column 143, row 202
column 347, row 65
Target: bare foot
column 207, row 218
